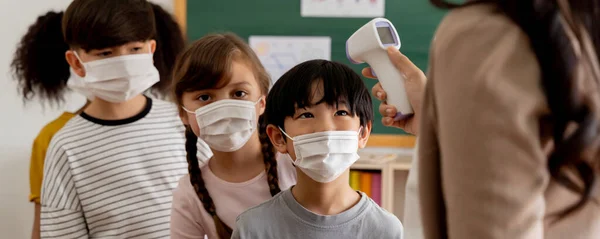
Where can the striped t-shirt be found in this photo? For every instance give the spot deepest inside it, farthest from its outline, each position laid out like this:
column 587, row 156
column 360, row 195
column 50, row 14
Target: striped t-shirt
column 113, row 179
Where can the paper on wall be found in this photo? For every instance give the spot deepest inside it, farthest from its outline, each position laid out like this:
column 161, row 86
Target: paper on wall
column 342, row 8
column 278, row 54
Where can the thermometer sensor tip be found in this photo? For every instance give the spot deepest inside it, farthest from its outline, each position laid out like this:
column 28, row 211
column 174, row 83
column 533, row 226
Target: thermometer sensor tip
column 348, row 54
column 399, row 116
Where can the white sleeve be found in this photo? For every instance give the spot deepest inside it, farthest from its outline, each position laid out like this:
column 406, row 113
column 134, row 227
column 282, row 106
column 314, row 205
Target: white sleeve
column 61, row 215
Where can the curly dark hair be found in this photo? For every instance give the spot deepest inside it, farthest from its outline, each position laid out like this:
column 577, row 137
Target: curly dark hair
column 34, row 72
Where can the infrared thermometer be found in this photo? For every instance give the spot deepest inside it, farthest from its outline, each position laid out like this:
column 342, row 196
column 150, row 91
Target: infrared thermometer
column 369, row 45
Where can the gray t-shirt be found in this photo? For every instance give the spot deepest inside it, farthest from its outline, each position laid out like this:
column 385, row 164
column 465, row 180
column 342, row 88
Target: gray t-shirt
column 283, row 217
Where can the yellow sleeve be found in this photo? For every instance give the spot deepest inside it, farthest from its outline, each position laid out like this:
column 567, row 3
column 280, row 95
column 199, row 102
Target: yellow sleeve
column 38, row 154
column 36, row 167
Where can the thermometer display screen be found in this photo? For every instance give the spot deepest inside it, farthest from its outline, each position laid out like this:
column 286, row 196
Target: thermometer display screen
column 385, row 35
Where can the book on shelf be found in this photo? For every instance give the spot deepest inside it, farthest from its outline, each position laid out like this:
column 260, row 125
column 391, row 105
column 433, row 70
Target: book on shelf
column 376, row 188
column 368, row 182
column 355, row 180
column 365, row 183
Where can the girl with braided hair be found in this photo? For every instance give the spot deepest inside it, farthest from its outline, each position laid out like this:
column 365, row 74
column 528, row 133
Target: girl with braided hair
column 221, row 87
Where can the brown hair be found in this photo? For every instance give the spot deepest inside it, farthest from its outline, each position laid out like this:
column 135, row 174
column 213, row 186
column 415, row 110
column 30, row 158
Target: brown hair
column 38, row 64
column 207, row 64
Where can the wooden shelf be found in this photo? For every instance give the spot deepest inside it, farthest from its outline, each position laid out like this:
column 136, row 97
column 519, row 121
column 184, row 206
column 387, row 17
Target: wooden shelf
column 391, row 140
column 367, row 166
column 400, row 166
column 401, row 163
column 394, row 164
column 378, row 158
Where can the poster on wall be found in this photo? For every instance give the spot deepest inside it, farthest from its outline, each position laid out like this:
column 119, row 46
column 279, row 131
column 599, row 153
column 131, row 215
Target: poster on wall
column 278, row 54
column 342, row 8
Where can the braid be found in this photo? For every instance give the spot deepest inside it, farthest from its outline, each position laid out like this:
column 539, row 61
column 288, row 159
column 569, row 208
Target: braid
column 269, row 156
column 191, row 149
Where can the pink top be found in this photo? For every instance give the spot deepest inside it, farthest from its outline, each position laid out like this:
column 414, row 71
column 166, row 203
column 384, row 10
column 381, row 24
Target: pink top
column 189, row 219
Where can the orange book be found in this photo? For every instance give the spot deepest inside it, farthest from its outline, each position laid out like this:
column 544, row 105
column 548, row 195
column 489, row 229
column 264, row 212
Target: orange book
column 355, row 180
column 365, row 183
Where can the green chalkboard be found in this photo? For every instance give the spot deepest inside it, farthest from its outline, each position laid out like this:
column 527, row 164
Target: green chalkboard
column 415, row 21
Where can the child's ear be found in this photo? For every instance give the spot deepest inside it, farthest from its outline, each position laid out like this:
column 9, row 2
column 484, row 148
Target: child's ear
column 277, row 139
column 262, row 104
column 184, row 117
column 152, row 46
column 363, row 136
column 74, row 63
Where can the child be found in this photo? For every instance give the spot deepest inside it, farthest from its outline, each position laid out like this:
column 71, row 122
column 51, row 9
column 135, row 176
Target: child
column 110, row 170
column 318, row 114
column 46, row 79
column 221, row 87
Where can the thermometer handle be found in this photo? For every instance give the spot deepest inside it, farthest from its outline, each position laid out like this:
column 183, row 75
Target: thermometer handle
column 391, row 81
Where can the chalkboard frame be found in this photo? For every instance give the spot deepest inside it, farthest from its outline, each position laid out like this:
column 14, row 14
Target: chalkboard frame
column 375, row 140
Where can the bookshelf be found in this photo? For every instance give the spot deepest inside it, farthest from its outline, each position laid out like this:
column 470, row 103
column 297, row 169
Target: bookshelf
column 393, row 165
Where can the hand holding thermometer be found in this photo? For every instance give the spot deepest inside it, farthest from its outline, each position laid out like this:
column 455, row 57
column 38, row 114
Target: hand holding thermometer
column 369, row 44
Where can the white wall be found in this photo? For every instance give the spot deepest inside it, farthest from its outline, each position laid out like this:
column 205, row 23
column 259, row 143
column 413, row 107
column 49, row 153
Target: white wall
column 19, row 124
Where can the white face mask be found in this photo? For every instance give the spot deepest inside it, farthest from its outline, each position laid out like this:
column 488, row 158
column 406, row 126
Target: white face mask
column 324, row 156
column 76, row 84
column 116, row 79
column 204, row 153
column 226, row 125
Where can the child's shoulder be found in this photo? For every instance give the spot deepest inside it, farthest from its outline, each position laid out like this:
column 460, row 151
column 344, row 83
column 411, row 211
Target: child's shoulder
column 70, row 131
column 164, row 110
column 163, row 106
column 184, row 192
column 265, row 210
column 50, row 129
column 383, row 221
column 160, row 102
column 268, row 213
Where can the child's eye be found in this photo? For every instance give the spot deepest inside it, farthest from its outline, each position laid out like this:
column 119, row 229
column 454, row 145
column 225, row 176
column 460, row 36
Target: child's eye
column 306, row 115
column 240, row 94
column 136, row 49
column 204, row 98
column 342, row 113
column 104, row 53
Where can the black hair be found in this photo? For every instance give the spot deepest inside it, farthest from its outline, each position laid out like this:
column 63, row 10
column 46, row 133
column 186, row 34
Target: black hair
column 98, row 24
column 338, row 82
column 39, row 64
column 31, row 67
column 540, row 21
column 170, row 42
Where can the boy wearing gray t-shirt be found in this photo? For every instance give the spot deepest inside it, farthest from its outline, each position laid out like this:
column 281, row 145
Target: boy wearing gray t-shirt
column 318, row 114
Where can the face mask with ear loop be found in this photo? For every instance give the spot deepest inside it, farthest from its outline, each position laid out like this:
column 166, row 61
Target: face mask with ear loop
column 324, row 156
column 116, row 79
column 76, row 83
column 226, row 125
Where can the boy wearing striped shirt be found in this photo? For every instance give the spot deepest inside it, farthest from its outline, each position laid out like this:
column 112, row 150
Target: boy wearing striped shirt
column 110, row 170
